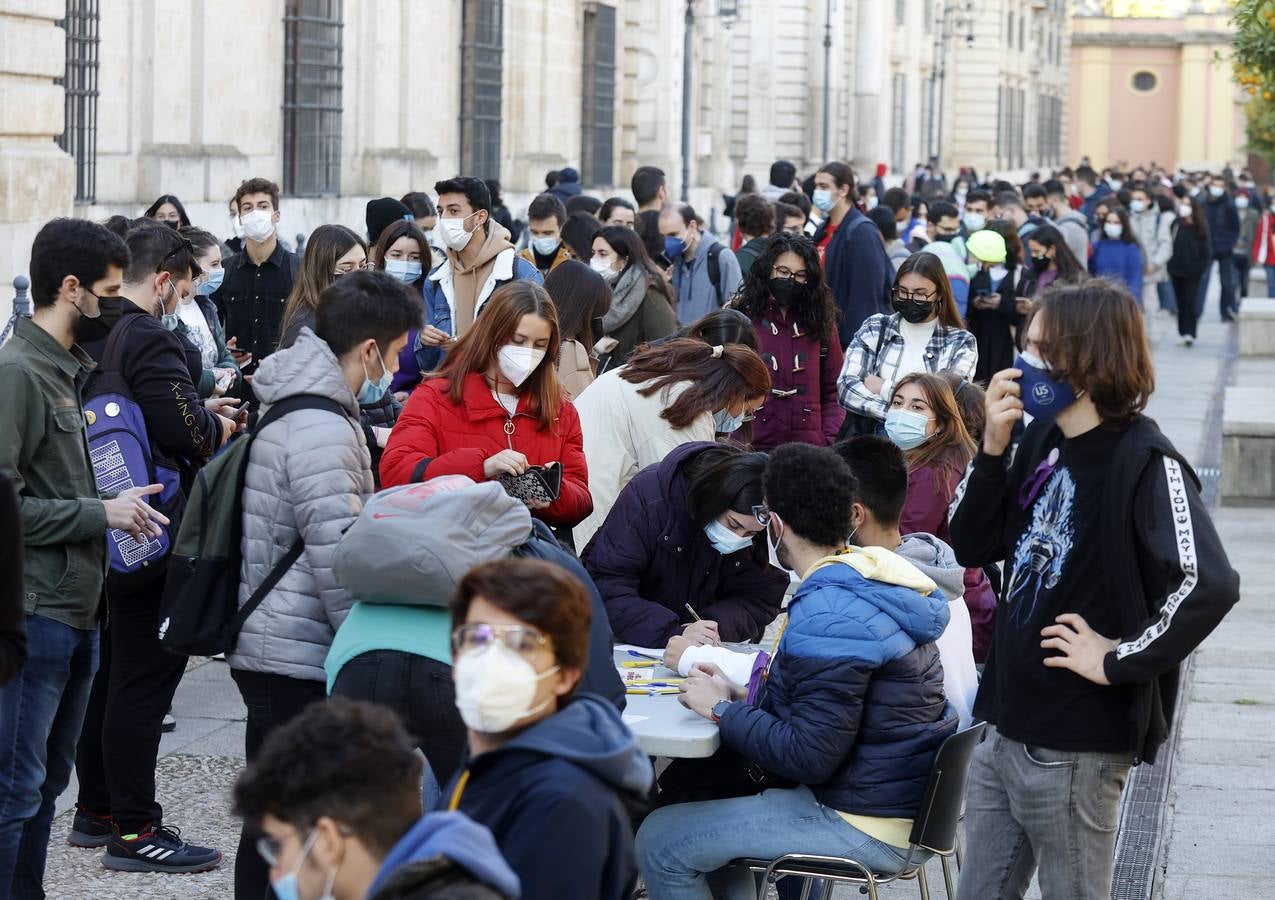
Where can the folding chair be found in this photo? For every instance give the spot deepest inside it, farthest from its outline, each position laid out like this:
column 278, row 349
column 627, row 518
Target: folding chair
column 934, row 830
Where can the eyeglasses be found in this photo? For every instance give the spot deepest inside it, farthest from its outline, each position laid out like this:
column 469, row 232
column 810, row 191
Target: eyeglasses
column 268, row 849
column 183, row 244
column 347, row 268
column 522, row 639
column 785, row 272
column 904, row 296
column 762, row 515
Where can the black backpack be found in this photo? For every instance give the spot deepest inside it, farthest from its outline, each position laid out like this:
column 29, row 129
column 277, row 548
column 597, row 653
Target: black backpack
column 715, row 272
column 199, row 614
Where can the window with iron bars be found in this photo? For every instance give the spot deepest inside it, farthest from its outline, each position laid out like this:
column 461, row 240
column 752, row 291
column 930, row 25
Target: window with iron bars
column 312, row 97
column 481, row 69
column 79, row 82
column 597, row 152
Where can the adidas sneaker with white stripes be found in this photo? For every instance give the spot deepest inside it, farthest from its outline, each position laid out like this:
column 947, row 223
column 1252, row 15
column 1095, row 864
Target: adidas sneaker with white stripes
column 158, row 850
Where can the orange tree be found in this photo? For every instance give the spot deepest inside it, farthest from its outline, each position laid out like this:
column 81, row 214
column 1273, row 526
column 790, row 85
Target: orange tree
column 1254, row 57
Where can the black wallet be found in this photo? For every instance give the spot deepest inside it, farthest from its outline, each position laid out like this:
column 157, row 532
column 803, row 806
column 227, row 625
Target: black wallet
column 538, row 483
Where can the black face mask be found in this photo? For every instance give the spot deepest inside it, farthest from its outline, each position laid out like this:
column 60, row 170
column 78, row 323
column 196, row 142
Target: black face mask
column 946, row 238
column 914, row 311
column 171, row 224
column 786, row 291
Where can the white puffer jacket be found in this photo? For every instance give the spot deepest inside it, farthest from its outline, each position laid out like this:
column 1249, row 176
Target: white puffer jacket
column 308, row 473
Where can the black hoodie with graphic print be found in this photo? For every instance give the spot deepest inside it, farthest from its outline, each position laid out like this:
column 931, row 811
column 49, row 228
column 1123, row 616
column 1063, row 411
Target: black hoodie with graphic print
column 1121, row 509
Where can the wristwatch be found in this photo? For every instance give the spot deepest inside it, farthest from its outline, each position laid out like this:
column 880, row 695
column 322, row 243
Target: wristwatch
column 719, row 710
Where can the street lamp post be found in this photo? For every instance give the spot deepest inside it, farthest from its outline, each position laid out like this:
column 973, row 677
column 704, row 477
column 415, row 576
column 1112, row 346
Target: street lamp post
column 688, row 48
column 727, row 10
column 956, row 16
column 827, row 75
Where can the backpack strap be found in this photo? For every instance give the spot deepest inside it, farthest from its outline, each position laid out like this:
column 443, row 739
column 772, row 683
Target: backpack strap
column 296, row 402
column 715, row 270
column 280, row 568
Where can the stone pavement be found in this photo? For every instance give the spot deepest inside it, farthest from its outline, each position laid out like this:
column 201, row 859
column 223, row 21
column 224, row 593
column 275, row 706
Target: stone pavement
column 1218, row 831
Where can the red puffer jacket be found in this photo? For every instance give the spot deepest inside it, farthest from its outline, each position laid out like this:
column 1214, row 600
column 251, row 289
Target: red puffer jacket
column 435, row 437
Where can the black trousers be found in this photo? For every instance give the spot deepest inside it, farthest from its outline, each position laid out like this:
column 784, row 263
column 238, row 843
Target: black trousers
column 272, row 700
column 421, row 691
column 1186, row 289
column 133, row 688
column 1242, row 266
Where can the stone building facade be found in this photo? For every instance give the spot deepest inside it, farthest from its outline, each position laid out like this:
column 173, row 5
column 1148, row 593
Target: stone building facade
column 343, row 100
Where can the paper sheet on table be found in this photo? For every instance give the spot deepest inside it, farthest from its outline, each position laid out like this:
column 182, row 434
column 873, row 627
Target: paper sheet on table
column 648, row 652
column 630, row 719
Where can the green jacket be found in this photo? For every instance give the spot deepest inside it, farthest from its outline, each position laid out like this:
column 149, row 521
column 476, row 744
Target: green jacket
column 43, row 448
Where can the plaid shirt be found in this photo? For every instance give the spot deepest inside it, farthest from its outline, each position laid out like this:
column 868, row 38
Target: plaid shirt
column 949, row 349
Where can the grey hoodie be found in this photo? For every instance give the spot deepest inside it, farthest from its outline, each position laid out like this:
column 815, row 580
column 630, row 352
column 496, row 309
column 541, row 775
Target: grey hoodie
column 308, row 474
column 1075, row 231
column 956, row 645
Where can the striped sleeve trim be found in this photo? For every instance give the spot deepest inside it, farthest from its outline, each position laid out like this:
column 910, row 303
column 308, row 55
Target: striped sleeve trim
column 1188, row 561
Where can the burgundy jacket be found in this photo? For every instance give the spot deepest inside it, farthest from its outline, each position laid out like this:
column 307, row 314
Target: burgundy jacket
column 930, row 492
column 803, row 384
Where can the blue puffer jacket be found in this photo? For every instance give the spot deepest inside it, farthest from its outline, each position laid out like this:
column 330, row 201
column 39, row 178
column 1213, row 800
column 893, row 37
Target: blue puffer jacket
column 438, row 293
column 854, row 704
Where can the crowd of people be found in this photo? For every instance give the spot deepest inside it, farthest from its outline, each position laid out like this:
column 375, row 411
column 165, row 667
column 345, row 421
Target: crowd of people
column 901, row 428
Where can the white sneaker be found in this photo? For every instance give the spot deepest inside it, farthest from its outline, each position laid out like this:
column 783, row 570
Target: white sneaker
column 1188, row 341
column 170, row 723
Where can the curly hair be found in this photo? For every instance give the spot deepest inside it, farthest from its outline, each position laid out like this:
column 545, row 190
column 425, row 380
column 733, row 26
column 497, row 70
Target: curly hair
column 349, row 761
column 754, row 215
column 815, row 311
column 811, row 489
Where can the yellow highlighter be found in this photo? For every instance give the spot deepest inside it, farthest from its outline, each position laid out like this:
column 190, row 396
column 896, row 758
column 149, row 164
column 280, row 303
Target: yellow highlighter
column 647, row 664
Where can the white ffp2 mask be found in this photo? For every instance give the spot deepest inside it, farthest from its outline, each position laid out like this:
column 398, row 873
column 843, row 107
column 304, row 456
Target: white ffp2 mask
column 495, row 688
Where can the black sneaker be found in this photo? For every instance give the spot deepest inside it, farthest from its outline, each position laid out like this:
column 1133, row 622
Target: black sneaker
column 158, row 850
column 90, row 830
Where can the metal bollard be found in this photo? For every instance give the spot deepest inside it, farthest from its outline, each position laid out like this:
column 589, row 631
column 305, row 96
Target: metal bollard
column 21, row 305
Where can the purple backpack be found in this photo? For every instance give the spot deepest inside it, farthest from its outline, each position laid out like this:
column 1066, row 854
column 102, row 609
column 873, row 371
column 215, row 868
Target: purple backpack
column 122, row 457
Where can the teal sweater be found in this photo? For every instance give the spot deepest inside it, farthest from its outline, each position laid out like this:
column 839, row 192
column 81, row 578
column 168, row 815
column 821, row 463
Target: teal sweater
column 418, row 630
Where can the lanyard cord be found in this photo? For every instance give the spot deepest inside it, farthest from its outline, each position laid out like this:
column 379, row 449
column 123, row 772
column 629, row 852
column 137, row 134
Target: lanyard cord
column 460, row 789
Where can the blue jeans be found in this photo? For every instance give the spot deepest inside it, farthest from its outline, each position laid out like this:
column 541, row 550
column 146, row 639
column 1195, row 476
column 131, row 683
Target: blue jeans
column 1270, row 281
column 1028, row 807
column 41, row 712
column 1167, row 300
column 683, row 849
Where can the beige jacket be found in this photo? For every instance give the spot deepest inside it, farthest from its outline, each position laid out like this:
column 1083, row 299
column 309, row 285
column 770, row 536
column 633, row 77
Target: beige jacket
column 574, row 370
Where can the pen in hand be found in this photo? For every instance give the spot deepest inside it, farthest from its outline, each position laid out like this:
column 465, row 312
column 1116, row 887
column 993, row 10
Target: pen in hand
column 694, row 615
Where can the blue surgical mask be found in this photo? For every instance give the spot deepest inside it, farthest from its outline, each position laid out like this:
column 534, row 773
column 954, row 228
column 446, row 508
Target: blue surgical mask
column 373, row 392
column 171, row 320
column 404, row 271
column 674, row 247
column 545, row 245
column 724, row 540
column 215, row 277
column 286, row 887
column 823, row 199
column 1043, row 397
column 725, row 423
column 906, row 428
